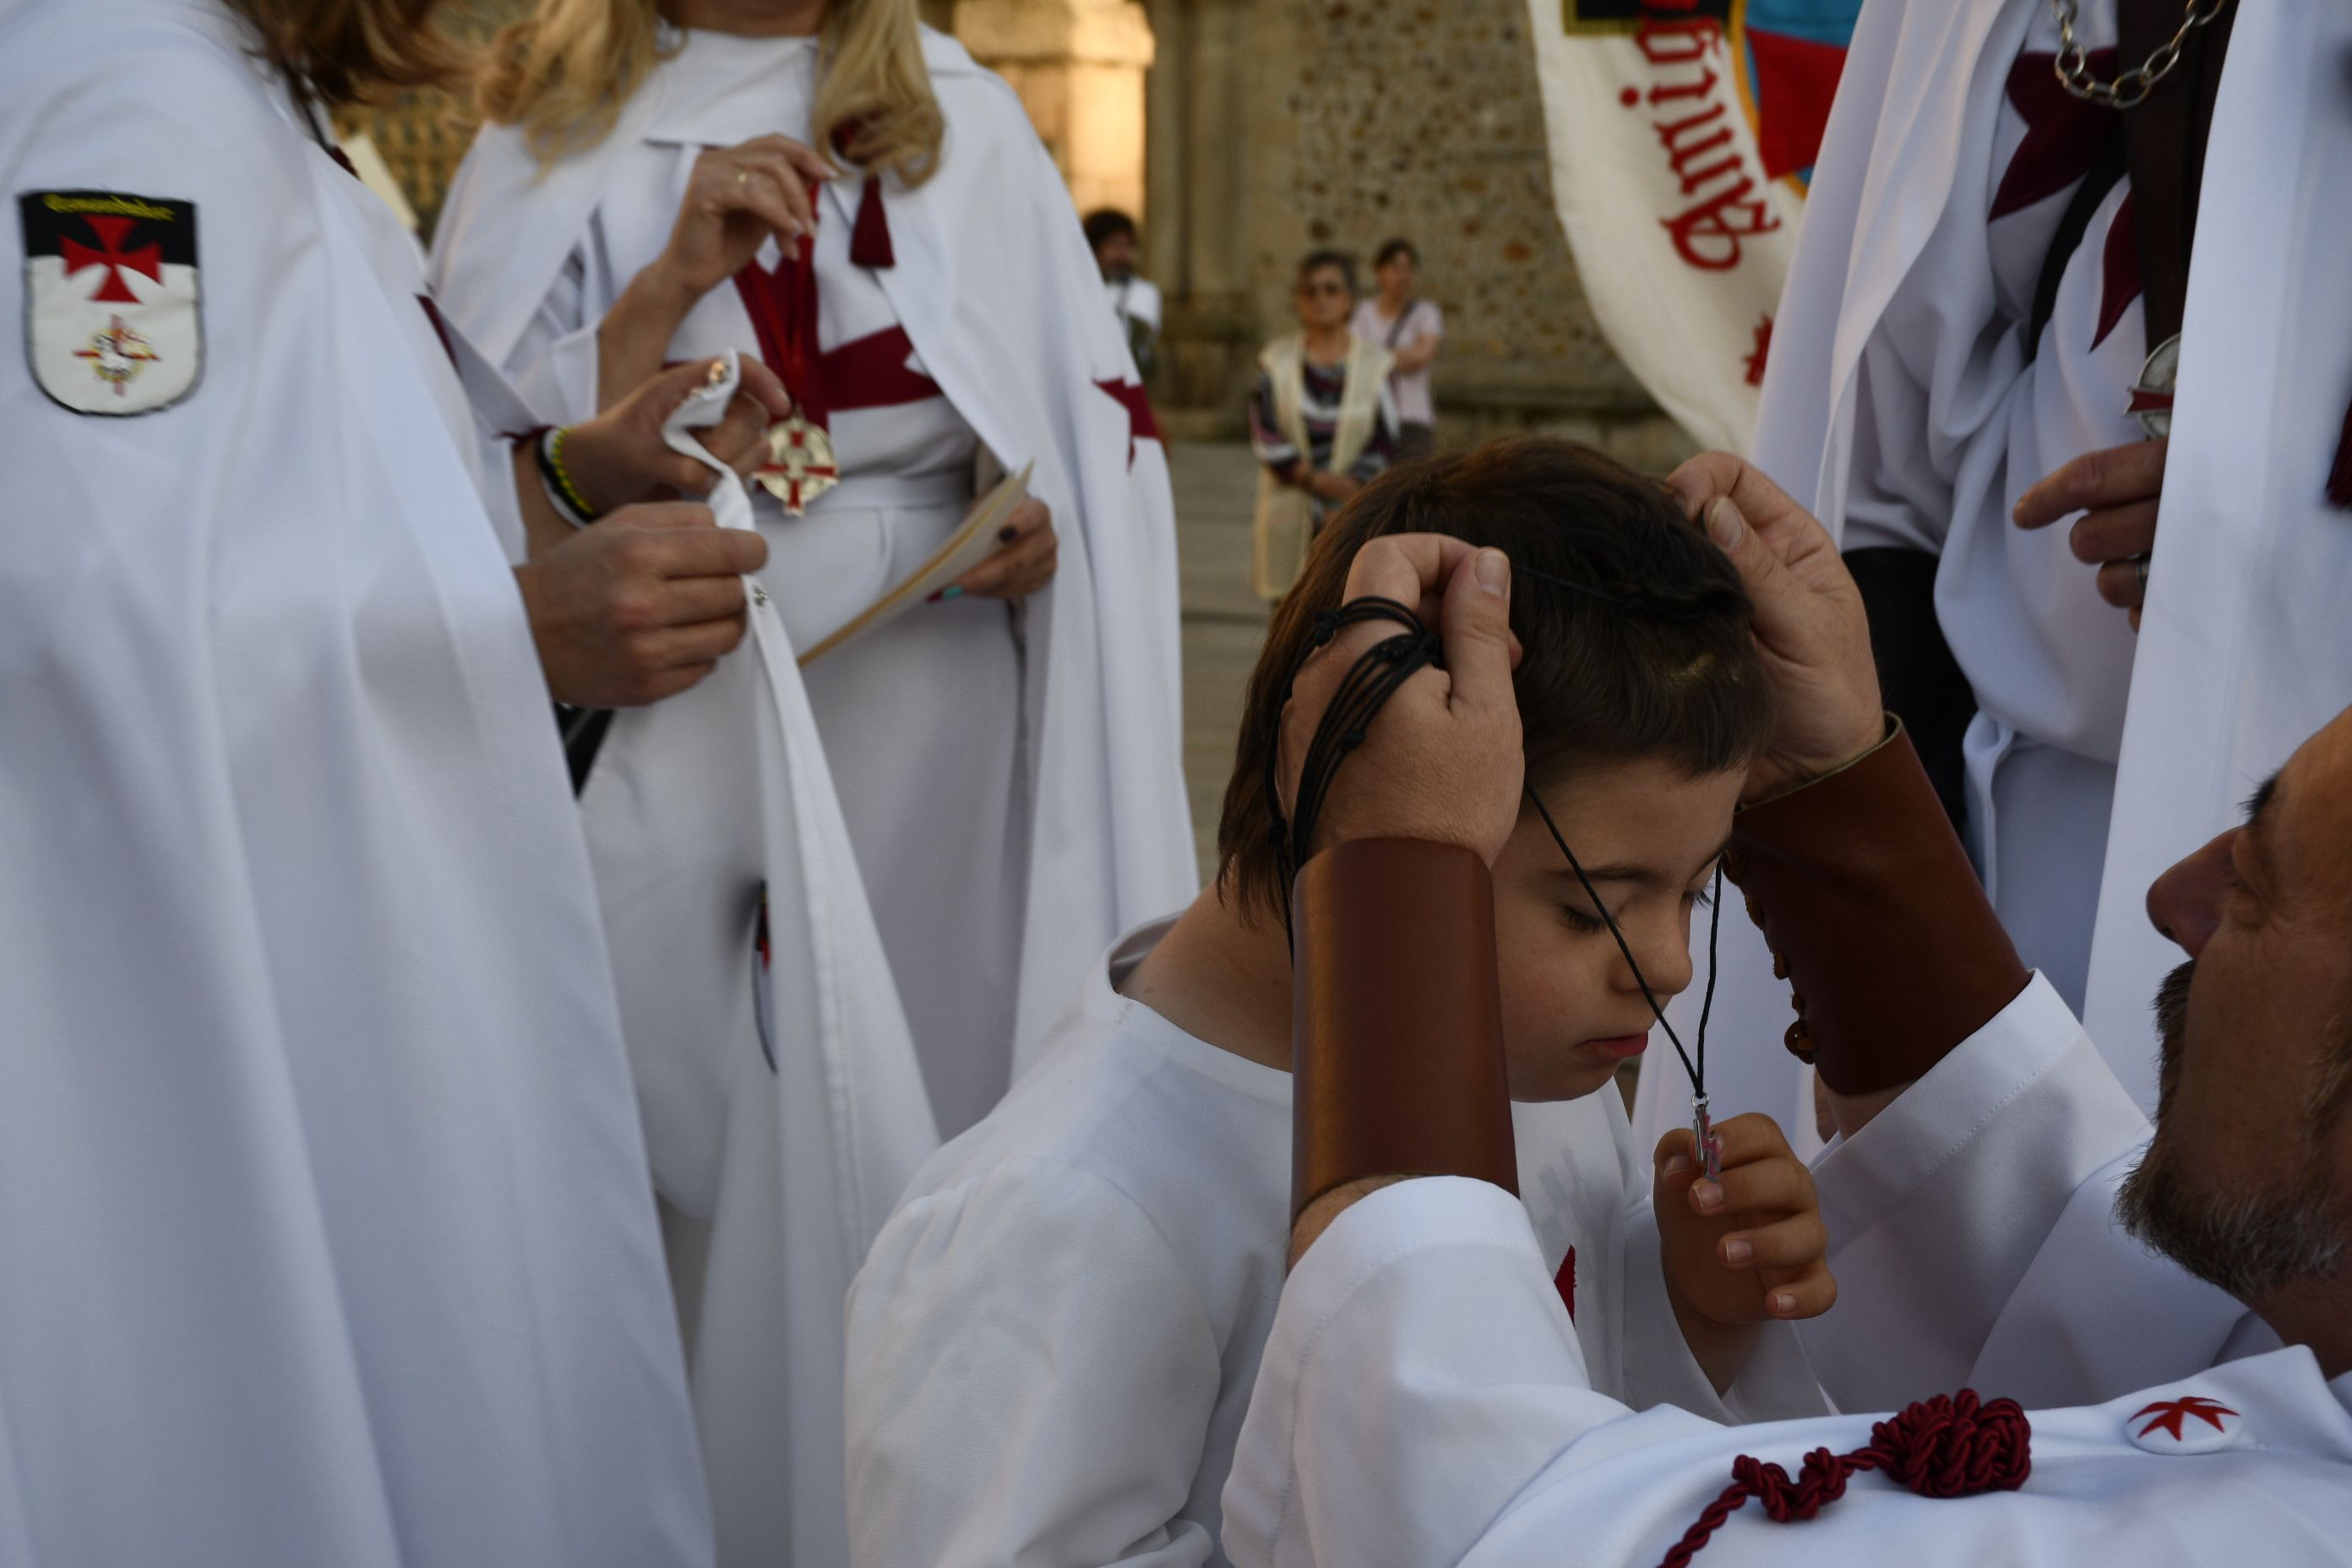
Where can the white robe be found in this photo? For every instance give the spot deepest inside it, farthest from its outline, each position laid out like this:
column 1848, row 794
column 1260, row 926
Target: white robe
column 1054, row 1341
column 2245, row 649
column 1900, row 407
column 1422, row 1403
column 325, row 1234
column 999, row 295
column 1973, row 1232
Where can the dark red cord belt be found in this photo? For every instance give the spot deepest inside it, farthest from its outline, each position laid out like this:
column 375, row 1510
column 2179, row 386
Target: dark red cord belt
column 1951, row 1446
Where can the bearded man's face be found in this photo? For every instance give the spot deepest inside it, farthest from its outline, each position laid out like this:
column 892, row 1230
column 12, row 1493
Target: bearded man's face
column 2248, row 1183
column 2246, row 1238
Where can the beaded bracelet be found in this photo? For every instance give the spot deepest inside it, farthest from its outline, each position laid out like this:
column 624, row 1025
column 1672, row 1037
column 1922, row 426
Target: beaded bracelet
column 560, row 490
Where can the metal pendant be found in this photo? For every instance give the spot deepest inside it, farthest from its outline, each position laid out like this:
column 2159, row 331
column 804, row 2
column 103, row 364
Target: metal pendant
column 800, row 466
column 1710, row 1147
column 2151, row 398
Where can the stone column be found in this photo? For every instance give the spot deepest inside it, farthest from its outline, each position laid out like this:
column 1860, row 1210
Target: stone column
column 1201, row 156
column 1078, row 66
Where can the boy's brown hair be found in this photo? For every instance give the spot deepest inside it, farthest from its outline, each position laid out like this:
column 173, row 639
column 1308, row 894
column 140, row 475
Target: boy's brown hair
column 1648, row 653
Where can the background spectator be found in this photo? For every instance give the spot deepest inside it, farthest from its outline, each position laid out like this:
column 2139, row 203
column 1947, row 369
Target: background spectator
column 1112, row 235
column 1322, row 420
column 1413, row 330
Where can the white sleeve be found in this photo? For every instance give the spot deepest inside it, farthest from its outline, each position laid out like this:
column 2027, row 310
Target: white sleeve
column 1031, row 1378
column 1421, row 1374
column 554, row 361
column 1972, row 1233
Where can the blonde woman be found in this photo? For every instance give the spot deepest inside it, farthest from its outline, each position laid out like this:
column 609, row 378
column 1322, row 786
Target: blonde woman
column 826, row 185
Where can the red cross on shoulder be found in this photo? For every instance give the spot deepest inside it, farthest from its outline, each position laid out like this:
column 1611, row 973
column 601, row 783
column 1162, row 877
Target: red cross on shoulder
column 1140, row 425
column 2192, row 1424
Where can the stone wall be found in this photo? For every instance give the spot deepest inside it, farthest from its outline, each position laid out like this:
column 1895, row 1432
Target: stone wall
column 1079, row 66
column 1284, row 125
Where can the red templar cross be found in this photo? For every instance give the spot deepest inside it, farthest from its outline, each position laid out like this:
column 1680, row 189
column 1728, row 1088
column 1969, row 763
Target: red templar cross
column 2170, row 1413
column 148, row 259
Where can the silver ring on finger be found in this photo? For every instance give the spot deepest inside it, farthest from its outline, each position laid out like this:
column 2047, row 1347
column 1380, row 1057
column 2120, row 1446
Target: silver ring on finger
column 2139, row 569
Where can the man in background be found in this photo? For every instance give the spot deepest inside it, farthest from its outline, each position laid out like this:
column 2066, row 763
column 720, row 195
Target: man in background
column 1112, row 236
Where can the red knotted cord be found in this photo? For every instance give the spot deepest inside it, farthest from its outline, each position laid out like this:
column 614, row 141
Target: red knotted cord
column 1951, row 1446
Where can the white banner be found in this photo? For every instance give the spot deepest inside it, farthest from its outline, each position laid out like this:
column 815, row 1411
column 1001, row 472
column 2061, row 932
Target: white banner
column 1680, row 199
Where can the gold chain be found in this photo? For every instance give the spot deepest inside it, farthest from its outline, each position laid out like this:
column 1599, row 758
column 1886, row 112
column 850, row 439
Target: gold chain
column 2127, row 90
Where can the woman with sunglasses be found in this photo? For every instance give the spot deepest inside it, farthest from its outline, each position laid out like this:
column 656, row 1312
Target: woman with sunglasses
column 1322, row 420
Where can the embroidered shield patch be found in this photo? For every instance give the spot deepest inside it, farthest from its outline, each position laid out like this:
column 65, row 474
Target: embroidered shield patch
column 111, row 323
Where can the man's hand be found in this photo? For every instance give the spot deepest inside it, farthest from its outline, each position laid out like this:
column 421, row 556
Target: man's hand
column 1742, row 1252
column 620, row 457
column 1441, row 760
column 1028, row 554
column 639, row 606
column 1810, row 622
column 2117, row 491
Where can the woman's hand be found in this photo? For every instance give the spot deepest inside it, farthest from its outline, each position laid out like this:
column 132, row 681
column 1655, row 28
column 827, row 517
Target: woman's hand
column 620, row 457
column 1743, row 1251
column 737, row 197
column 2117, row 491
column 1027, row 555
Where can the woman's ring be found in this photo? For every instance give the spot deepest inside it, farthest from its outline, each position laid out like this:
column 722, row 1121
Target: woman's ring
column 2139, row 565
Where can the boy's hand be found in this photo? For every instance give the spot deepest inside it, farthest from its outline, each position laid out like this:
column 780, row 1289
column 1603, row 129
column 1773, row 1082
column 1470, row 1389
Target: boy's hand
column 1742, row 1252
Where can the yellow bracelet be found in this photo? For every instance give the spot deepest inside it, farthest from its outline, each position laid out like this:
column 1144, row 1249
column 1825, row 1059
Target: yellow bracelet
column 552, row 451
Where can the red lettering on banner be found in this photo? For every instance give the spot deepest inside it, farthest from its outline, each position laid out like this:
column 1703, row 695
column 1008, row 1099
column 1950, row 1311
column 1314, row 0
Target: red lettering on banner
column 1685, row 146
column 1699, row 39
column 1731, row 203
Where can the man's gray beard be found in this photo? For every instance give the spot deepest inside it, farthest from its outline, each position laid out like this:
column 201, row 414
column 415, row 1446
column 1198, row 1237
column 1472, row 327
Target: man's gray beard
column 2250, row 1243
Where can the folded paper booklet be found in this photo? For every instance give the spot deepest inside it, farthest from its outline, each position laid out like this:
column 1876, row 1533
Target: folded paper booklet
column 966, row 548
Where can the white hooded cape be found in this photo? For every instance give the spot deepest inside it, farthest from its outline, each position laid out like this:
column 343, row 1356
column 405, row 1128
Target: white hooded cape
column 1902, row 272
column 999, row 294
column 2243, row 651
column 2245, row 648
column 325, row 1234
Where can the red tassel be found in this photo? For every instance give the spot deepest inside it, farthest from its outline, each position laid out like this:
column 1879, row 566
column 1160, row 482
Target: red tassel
column 1951, row 1446
column 2339, row 477
column 870, row 242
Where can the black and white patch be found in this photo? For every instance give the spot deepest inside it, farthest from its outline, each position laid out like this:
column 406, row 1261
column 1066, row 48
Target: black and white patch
column 111, row 318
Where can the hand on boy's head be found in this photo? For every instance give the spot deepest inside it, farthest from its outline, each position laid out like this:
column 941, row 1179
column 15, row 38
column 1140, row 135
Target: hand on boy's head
column 1441, row 760
column 1810, row 622
column 1751, row 1247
